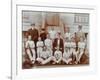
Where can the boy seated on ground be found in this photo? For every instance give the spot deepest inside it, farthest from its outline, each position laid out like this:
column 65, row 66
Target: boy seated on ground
column 57, row 56
column 45, row 56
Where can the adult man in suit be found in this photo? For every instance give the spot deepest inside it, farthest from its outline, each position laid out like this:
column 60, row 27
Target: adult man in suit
column 58, row 43
column 34, row 35
column 43, row 34
column 80, row 34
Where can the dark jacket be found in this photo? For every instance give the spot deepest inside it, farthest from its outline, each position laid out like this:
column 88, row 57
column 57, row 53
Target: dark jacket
column 61, row 44
column 34, row 34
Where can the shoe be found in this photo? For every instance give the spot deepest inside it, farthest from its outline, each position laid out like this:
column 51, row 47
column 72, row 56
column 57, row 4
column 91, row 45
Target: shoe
column 33, row 61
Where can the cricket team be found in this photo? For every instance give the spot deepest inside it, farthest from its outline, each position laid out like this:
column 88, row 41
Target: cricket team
column 50, row 47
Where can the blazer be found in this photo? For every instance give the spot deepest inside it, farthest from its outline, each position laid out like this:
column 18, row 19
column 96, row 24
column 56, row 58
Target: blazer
column 61, row 44
column 34, row 34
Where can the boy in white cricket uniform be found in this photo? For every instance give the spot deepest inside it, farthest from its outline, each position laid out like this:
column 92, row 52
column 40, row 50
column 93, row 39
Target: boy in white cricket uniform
column 68, row 35
column 72, row 46
column 67, row 56
column 46, row 56
column 76, row 53
column 52, row 33
column 73, row 49
column 39, row 46
column 57, row 56
column 81, row 46
column 67, row 53
column 30, row 49
column 48, row 43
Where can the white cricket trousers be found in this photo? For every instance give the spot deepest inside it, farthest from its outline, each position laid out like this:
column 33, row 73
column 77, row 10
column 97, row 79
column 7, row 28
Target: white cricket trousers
column 29, row 54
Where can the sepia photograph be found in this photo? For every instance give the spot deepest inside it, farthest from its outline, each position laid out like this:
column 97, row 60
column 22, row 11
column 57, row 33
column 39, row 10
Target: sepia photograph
column 54, row 39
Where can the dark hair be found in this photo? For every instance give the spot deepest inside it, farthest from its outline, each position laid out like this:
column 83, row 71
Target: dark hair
column 43, row 29
column 32, row 24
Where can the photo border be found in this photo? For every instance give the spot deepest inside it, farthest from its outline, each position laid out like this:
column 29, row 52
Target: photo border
column 13, row 75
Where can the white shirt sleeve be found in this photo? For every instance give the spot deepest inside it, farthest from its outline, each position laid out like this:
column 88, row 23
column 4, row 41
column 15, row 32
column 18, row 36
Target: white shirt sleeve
column 26, row 44
column 37, row 44
column 33, row 44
